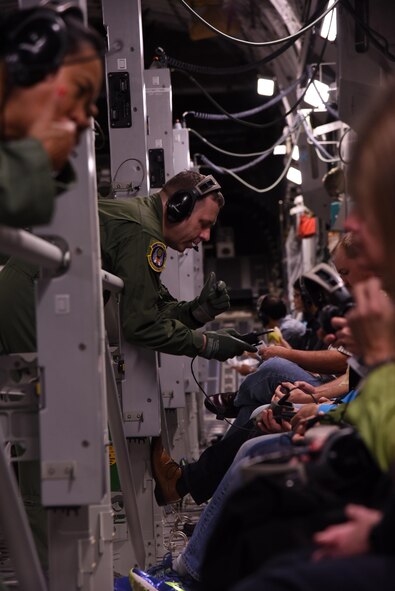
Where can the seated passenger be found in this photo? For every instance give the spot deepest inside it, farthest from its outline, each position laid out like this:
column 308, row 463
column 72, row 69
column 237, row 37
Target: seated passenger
column 46, row 103
column 272, row 312
column 372, row 414
column 281, row 364
column 372, row 322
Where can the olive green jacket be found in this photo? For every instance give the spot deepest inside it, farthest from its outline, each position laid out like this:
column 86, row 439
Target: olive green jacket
column 27, row 184
column 133, row 248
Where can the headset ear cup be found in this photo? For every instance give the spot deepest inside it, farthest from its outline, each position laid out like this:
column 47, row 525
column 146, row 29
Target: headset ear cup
column 35, row 47
column 180, row 205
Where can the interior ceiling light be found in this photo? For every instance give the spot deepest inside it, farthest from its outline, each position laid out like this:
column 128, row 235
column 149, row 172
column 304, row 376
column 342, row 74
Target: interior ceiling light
column 317, row 95
column 294, row 175
column 329, row 24
column 280, row 150
column 265, row 86
column 295, row 153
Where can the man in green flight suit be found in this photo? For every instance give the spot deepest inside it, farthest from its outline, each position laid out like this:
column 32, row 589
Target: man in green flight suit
column 134, row 235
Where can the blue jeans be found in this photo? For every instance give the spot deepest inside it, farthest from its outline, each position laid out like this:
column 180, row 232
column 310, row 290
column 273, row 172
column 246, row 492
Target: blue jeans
column 258, row 388
column 192, row 556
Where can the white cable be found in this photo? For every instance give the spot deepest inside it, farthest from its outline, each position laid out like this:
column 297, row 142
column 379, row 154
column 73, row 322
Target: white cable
column 237, row 155
column 256, row 189
column 261, row 43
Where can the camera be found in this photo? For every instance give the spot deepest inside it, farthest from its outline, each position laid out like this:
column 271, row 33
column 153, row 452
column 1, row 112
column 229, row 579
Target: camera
column 328, row 292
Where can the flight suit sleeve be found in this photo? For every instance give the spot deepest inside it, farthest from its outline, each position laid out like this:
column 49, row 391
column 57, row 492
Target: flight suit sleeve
column 27, row 185
column 144, row 318
column 172, row 308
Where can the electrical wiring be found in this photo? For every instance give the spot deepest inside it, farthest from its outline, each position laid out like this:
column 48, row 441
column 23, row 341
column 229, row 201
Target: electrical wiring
column 208, row 398
column 171, row 62
column 248, row 123
column 260, row 43
column 315, row 69
column 372, row 33
column 340, row 146
column 250, row 112
column 129, row 186
column 321, row 152
column 244, row 155
column 221, row 170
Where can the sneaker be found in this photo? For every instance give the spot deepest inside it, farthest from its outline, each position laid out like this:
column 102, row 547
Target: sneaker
column 163, row 568
column 142, row 581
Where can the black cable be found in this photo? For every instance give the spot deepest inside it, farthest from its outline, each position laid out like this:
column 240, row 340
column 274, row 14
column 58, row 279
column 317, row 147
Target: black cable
column 340, row 146
column 273, row 121
column 208, row 398
column 372, row 33
column 262, row 43
column 129, row 187
column 177, row 64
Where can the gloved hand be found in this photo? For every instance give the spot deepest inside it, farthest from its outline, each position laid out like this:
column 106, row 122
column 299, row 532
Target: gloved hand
column 213, row 300
column 224, row 344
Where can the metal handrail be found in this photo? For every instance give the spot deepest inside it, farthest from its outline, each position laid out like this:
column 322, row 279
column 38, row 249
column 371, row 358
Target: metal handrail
column 31, row 248
column 38, row 251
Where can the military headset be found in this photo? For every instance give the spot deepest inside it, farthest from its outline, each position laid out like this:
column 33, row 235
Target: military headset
column 180, row 205
column 34, row 43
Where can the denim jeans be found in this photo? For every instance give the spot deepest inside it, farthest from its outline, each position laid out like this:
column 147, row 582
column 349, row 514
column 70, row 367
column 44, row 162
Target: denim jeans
column 258, row 388
column 192, row 556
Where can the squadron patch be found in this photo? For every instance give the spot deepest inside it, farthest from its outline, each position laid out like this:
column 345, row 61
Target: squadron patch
column 156, row 256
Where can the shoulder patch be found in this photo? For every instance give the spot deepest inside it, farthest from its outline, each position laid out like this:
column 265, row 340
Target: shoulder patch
column 156, row 256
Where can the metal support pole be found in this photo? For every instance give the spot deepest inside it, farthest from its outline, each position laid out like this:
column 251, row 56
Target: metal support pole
column 111, row 282
column 16, row 529
column 123, row 464
column 31, row 248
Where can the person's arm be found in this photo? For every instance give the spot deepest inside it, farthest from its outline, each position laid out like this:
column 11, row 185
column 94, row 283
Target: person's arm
column 27, row 187
column 172, row 308
column 350, row 538
column 326, row 362
column 303, row 392
column 212, row 300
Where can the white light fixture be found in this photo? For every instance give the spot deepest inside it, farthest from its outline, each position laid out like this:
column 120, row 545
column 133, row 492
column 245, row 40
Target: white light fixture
column 294, row 175
column 317, row 95
column 280, row 150
column 295, row 153
column 265, row 86
column 329, row 24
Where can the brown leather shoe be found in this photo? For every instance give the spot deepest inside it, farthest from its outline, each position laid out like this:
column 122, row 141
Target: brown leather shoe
column 165, row 472
column 222, row 405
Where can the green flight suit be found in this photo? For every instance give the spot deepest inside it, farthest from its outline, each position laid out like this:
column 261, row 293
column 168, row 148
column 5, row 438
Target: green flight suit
column 27, row 184
column 131, row 235
column 150, row 316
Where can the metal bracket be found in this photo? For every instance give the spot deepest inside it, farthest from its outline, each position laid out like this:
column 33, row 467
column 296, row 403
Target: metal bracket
column 136, row 416
column 58, row 470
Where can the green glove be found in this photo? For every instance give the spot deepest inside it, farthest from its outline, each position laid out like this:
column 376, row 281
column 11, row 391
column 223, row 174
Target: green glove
column 213, row 300
column 224, row 344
